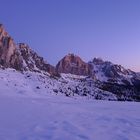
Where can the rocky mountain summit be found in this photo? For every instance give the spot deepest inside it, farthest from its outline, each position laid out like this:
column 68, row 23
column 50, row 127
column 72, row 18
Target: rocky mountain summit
column 73, row 64
column 72, row 76
column 20, row 56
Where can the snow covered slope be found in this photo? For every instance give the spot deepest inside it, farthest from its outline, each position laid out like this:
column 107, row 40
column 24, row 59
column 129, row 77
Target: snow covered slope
column 116, row 79
column 43, row 84
column 54, row 117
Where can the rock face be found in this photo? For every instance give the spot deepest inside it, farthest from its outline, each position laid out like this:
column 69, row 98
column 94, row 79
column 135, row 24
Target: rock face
column 73, row 64
column 7, row 46
column 9, row 56
column 20, row 56
column 33, row 62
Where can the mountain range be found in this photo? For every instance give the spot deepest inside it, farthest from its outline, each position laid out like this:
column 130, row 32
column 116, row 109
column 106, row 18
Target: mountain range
column 96, row 79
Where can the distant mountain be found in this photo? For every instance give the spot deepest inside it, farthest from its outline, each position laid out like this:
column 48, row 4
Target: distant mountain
column 72, row 76
column 116, row 79
column 106, row 71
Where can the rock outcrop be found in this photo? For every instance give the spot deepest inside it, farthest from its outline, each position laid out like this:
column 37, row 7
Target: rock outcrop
column 74, row 65
column 9, row 56
column 33, row 62
column 20, row 56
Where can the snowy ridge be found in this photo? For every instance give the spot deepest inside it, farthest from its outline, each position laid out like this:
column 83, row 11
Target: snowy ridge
column 108, row 72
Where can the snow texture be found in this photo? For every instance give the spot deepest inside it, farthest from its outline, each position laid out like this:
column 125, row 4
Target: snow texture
column 31, row 111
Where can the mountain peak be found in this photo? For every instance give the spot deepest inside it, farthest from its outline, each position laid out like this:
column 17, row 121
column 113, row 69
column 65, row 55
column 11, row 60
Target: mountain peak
column 73, row 58
column 1, row 26
column 20, row 56
column 98, row 61
column 71, row 55
column 72, row 64
column 3, row 31
column 7, row 49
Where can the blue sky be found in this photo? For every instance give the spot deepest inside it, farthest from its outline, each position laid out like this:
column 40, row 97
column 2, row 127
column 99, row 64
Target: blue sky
column 109, row 29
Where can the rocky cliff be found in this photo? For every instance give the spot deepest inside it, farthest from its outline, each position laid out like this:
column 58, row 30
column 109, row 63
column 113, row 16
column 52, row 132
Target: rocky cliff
column 9, row 56
column 33, row 62
column 73, row 64
column 20, row 56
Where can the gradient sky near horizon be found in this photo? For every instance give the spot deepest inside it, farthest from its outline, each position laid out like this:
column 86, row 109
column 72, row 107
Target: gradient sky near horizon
column 109, row 29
